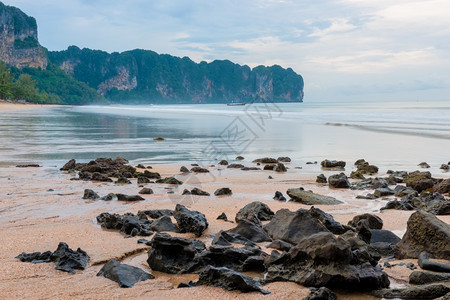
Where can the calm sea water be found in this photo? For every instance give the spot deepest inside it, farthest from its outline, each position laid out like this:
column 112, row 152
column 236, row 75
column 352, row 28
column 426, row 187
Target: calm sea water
column 391, row 135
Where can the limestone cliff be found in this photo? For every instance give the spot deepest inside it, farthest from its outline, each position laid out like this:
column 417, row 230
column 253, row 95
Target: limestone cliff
column 19, row 46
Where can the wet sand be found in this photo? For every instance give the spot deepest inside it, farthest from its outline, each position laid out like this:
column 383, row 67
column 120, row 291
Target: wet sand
column 39, row 207
column 6, row 106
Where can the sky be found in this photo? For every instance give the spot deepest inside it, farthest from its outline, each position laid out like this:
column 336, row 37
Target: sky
column 355, row 50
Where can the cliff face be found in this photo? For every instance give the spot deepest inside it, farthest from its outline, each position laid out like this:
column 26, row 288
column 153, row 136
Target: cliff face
column 144, row 76
column 19, row 44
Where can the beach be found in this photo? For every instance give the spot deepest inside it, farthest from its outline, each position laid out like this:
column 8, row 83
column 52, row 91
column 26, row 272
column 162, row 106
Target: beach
column 40, row 208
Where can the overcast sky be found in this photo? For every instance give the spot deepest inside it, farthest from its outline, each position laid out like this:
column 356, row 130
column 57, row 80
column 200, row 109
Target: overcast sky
column 344, row 49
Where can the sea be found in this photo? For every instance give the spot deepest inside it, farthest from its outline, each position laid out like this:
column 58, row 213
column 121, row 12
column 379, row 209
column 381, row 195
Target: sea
column 391, row 135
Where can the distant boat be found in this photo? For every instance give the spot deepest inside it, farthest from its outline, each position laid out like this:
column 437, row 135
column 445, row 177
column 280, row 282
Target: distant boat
column 236, row 103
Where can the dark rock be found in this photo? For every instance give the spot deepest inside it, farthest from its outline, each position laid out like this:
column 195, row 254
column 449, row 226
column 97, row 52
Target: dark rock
column 279, row 196
column 280, row 245
column 229, row 280
column 431, row 291
column 146, row 191
column 199, row 170
column 99, row 177
column 374, row 221
column 361, row 161
column 311, row 163
column 292, row 226
column 35, row 257
column 156, row 213
column 125, row 275
column 125, row 223
column 223, row 162
column 144, row 241
column 250, row 169
column 90, row 194
column 122, row 180
column 426, row 263
column 325, row 260
column 401, row 191
column 173, row 255
column 266, row 160
column 68, row 260
column 169, row 180
column 321, row 179
column 255, row 212
column 386, row 236
column 270, row 177
column 222, row 216
column 332, row 164
column 424, row 232
column 162, row 224
column 420, row 277
column 158, row 139
column 424, row 165
column 383, row 192
column 279, row 167
column 321, row 294
column 151, row 175
column 142, row 180
column 183, row 169
column 445, row 167
column 28, row 166
column 123, row 197
column 363, row 231
column 357, row 175
column 284, row 159
column 367, row 197
column 310, row 198
column 327, row 220
column 339, row 181
column 109, row 197
column 190, row 221
column 69, row 165
column 226, row 238
column 140, row 166
column 367, row 169
column 383, row 249
column 250, row 231
column 186, row 284
column 239, row 158
column 223, row 192
column 419, row 181
column 235, row 166
column 268, row 167
column 443, row 187
column 199, row 192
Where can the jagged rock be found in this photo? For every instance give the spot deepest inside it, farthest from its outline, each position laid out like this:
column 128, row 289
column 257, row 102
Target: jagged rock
column 151, row 175
column 199, row 170
column 424, row 232
column 361, row 161
column 109, row 197
column 223, row 162
column 420, row 277
column 431, row 291
column 186, row 192
column 292, row 226
column 164, row 223
column 339, row 181
column 367, row 169
column 310, row 198
column 419, row 181
column 146, row 191
column 426, row 263
column 424, row 165
column 125, row 275
column 239, row 158
column 126, row 223
column 266, row 160
column 325, row 260
column 357, row 175
column 279, row 196
column 383, row 192
column 382, row 235
column 321, row 179
column 229, row 280
column 90, row 194
column 35, row 257
column 254, row 212
column 222, row 216
column 190, row 221
column 374, row 221
column 123, row 197
column 235, row 166
column 363, row 231
column 327, row 220
column 280, row 245
column 173, row 255
column 250, row 231
column 69, row 165
column 142, row 180
column 157, row 213
column 68, row 260
column 279, row 167
column 226, row 238
column 183, row 169
column 442, row 187
column 332, row 164
column 401, row 191
column 169, row 180
column 321, row 294
column 284, row 159
column 199, row 192
column 223, row 192
column 99, row 177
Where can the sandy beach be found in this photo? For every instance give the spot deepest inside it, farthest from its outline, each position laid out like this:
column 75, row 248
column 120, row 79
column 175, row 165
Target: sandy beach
column 6, row 106
column 40, row 207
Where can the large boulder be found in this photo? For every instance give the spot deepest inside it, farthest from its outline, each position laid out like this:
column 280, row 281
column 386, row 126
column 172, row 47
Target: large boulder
column 125, row 275
column 374, row 221
column 424, row 232
column 421, row 277
column 162, row 224
column 325, row 260
column 255, row 212
column 293, row 226
column 310, row 198
column 251, row 231
column 173, row 255
column 190, row 221
column 419, row 181
column 339, row 181
column 442, row 187
column 327, row 220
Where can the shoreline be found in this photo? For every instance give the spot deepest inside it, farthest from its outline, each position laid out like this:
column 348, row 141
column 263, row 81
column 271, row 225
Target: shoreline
column 8, row 106
column 41, row 207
